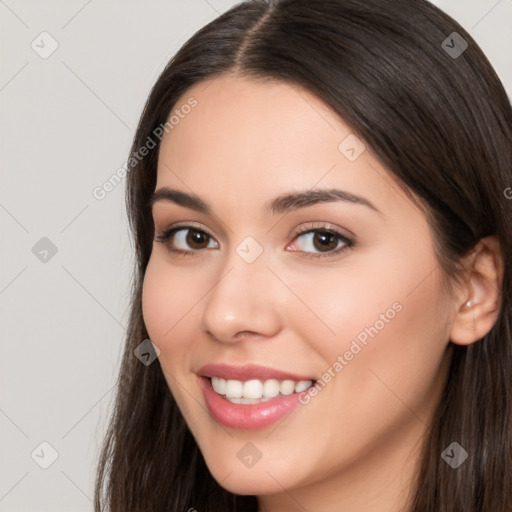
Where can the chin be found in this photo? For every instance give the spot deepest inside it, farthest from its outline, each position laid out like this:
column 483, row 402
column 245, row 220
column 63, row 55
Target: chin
column 249, row 483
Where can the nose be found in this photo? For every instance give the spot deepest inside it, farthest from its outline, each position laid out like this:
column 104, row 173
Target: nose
column 243, row 302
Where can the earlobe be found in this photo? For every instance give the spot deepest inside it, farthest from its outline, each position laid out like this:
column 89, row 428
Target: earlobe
column 479, row 304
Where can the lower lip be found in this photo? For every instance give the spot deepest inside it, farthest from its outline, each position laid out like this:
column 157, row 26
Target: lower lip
column 247, row 416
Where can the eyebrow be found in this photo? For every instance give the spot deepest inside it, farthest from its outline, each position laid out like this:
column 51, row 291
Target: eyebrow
column 282, row 204
column 180, row 198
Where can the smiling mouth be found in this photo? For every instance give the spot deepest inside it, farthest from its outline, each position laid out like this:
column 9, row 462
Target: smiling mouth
column 255, row 391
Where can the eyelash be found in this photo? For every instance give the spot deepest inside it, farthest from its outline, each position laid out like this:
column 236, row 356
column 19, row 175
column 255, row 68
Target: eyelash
column 349, row 243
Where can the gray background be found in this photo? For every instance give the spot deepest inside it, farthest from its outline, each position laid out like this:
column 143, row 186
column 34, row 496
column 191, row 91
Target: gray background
column 67, row 124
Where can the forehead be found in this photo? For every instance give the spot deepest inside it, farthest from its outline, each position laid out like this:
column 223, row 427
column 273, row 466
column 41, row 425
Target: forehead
column 253, row 118
column 260, row 137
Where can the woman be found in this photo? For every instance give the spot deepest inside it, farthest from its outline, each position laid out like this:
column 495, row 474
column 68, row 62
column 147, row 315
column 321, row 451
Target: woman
column 322, row 229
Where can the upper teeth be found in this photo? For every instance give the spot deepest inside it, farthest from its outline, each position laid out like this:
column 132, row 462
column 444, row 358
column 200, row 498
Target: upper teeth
column 256, row 389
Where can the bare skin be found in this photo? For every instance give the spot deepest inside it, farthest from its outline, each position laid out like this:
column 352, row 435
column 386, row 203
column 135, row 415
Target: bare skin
column 300, row 304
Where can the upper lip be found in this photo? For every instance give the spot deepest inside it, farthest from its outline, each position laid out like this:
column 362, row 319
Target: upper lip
column 247, row 372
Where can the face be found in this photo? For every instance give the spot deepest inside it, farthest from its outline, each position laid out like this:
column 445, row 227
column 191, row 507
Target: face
column 285, row 257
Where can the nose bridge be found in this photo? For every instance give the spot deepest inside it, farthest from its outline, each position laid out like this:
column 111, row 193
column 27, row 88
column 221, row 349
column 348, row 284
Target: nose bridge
column 242, row 298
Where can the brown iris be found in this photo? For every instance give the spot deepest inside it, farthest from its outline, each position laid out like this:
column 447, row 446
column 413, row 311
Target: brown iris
column 195, row 237
column 325, row 241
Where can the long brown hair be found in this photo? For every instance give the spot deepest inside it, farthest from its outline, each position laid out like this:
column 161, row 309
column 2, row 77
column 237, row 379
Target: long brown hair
column 442, row 123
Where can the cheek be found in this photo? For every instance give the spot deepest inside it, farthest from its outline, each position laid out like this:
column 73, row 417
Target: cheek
column 168, row 299
column 386, row 319
column 391, row 334
column 358, row 303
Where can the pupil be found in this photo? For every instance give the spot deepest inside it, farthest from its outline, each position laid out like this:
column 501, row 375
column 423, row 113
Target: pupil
column 326, row 240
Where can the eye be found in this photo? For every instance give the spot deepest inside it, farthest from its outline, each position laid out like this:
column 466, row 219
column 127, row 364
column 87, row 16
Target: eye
column 321, row 242
column 316, row 242
column 186, row 240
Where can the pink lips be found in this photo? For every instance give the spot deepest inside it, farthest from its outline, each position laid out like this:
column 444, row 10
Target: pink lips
column 247, row 372
column 247, row 416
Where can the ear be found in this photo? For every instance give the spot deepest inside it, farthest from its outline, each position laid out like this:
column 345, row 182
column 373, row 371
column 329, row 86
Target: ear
column 478, row 303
